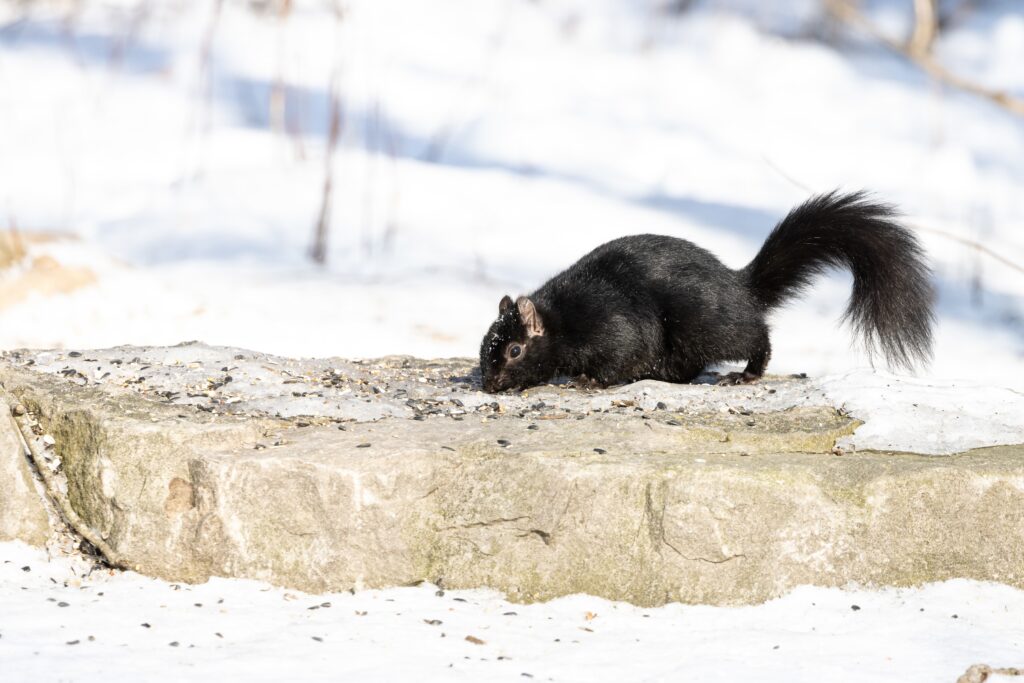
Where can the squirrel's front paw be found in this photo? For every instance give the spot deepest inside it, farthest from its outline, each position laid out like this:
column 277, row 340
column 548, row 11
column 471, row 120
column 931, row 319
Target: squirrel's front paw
column 737, row 378
column 584, row 382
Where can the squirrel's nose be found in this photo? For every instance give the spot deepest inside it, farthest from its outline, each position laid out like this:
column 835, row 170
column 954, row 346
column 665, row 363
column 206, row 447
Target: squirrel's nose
column 493, row 384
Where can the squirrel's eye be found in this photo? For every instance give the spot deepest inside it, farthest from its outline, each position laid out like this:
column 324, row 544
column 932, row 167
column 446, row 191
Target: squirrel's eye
column 515, row 351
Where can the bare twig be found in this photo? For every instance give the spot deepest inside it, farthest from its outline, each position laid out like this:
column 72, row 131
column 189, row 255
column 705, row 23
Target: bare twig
column 977, row 246
column 323, row 224
column 206, row 53
column 279, row 89
column 391, row 228
column 848, row 12
column 63, row 505
column 123, row 45
column 204, row 121
column 318, row 252
column 926, row 27
column 973, row 244
column 372, row 148
column 956, row 13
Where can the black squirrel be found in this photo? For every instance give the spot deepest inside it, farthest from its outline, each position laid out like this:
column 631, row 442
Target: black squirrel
column 658, row 307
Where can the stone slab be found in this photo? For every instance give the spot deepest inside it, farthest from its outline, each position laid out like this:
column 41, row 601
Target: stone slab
column 194, row 461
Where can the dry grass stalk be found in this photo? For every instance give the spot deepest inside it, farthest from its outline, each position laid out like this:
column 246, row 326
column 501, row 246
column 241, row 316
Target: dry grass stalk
column 12, row 248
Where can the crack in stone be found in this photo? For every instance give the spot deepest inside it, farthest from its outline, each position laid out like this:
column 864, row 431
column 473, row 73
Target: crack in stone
column 656, row 527
column 540, row 533
column 142, row 487
column 723, row 560
column 491, row 522
column 300, row 534
column 568, row 503
column 473, row 543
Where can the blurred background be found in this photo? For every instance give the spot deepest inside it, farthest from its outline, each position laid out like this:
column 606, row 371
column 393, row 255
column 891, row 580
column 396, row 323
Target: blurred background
column 360, row 178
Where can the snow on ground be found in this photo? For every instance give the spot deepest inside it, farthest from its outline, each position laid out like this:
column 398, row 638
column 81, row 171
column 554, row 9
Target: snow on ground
column 486, row 144
column 917, row 415
column 61, row 623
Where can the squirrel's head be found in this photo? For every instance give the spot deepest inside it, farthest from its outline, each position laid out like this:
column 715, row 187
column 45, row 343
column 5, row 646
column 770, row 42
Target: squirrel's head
column 515, row 352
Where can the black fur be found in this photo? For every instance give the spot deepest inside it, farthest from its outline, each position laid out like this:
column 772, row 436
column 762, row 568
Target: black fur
column 658, row 307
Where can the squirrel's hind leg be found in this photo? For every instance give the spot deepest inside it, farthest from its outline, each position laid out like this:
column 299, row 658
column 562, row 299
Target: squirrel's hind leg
column 756, row 362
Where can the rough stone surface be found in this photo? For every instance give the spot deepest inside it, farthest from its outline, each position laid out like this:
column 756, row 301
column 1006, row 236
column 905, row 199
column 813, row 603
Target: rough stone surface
column 22, row 513
column 194, row 461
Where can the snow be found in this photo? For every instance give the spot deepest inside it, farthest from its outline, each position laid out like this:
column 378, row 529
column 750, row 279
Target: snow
column 924, row 416
column 61, row 622
column 487, row 144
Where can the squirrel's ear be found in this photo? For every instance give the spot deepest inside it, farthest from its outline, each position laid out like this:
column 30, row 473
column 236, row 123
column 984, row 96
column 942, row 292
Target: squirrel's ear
column 504, row 305
column 530, row 317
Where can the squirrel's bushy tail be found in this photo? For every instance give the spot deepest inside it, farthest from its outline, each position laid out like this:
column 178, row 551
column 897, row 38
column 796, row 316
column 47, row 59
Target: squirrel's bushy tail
column 891, row 303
